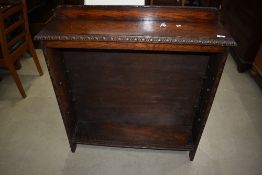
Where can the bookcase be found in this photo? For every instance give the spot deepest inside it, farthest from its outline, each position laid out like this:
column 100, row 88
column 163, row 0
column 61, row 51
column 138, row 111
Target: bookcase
column 135, row 76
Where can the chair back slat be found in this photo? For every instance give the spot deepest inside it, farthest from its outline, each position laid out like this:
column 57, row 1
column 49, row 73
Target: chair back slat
column 16, row 39
column 13, row 10
column 14, row 26
column 18, row 51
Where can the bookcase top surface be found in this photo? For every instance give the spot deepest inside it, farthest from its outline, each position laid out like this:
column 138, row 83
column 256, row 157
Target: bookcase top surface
column 137, row 24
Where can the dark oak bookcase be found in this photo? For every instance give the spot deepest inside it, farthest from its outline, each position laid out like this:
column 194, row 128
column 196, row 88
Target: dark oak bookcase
column 135, row 76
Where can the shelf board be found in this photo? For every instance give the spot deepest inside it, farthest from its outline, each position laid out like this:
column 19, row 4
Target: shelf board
column 135, row 136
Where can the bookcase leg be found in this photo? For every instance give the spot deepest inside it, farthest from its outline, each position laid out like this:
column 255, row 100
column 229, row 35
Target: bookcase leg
column 192, row 154
column 73, row 147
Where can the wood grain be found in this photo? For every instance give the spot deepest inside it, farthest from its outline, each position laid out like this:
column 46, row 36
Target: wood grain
column 108, row 24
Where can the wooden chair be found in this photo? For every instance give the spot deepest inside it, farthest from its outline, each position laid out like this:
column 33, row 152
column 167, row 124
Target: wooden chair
column 15, row 39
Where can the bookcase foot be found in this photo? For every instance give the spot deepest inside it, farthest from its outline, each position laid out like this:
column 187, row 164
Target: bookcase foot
column 73, row 147
column 192, row 155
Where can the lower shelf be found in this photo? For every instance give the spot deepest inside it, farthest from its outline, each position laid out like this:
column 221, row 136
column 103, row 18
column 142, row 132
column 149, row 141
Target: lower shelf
column 127, row 135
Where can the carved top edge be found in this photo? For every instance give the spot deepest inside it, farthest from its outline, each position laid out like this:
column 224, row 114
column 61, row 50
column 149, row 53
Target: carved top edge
column 44, row 36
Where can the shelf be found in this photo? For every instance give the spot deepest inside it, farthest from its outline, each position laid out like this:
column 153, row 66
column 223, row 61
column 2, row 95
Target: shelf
column 127, row 135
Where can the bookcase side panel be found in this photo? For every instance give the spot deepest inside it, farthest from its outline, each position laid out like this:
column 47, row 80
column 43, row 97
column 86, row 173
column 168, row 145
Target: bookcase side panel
column 57, row 72
column 213, row 75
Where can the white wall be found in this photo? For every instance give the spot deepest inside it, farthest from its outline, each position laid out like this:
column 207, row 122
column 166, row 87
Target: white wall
column 114, row 2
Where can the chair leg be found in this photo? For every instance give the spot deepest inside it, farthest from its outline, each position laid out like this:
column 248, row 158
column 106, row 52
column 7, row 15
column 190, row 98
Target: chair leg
column 18, row 65
column 15, row 76
column 33, row 53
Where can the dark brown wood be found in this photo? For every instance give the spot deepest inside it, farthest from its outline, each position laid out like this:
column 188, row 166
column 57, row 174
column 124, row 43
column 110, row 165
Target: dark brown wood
column 243, row 21
column 109, row 24
column 135, row 136
column 133, row 13
column 15, row 39
column 122, row 80
column 202, row 3
column 134, row 46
